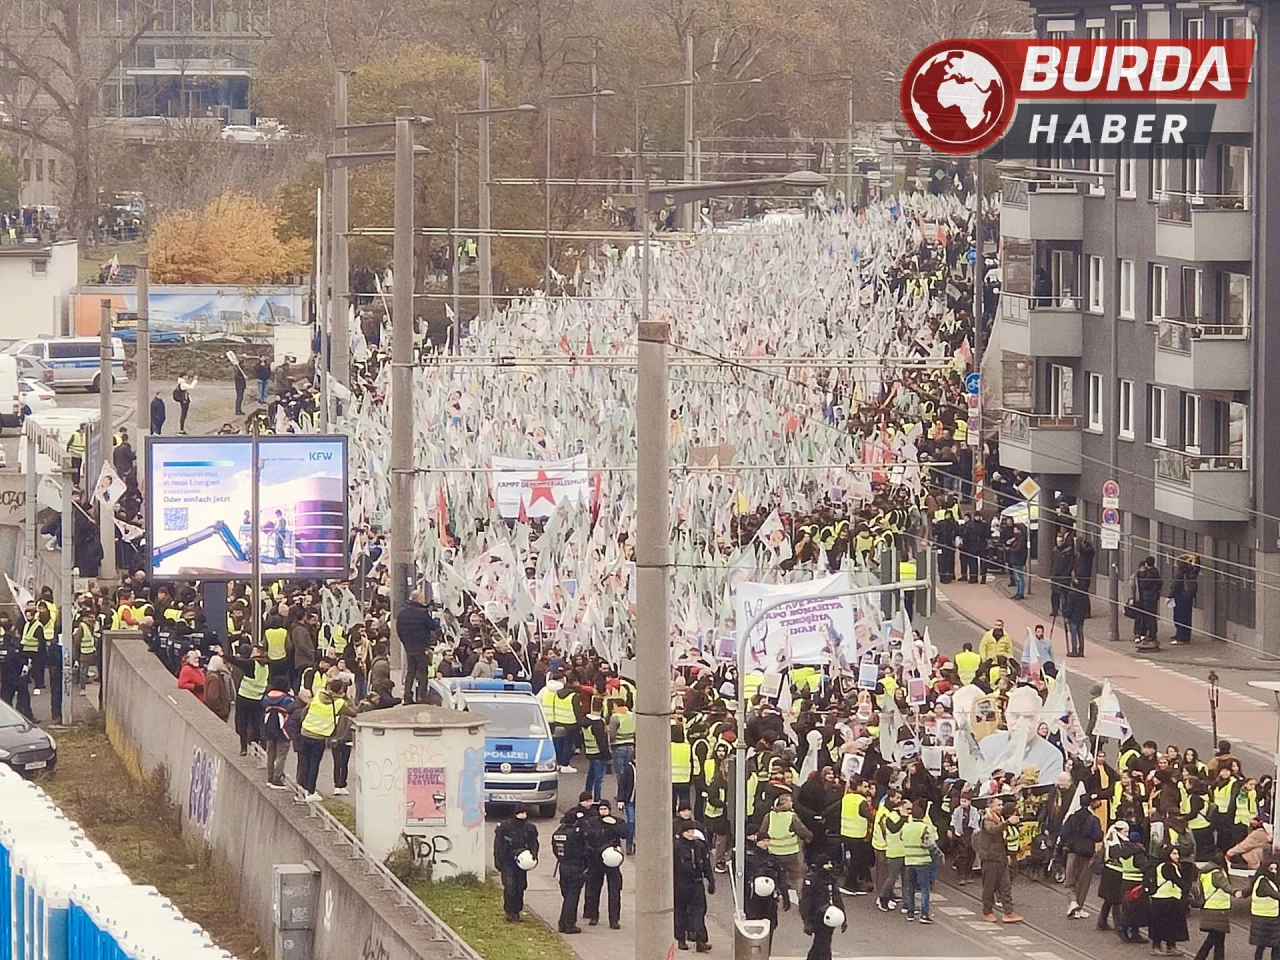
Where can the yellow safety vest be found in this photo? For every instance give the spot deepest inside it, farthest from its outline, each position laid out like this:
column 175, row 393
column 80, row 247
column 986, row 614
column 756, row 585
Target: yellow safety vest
column 1246, row 806
column 1128, row 870
column 88, row 644
column 1262, row 906
column 32, row 633
column 1012, row 838
column 853, row 816
column 806, row 678
column 562, row 710
column 751, row 684
column 322, row 718
column 1123, row 760
column 275, row 638
column 1222, row 796
column 1215, row 898
column 75, row 446
column 681, row 763
column 961, row 431
column 318, row 682
column 1184, row 799
column 255, row 687
column 1199, row 821
column 914, row 844
column 894, row 848
column 626, row 734
column 545, row 700
column 967, row 663
column 1166, row 889
column 589, row 745
column 141, row 610
column 877, row 829
column 783, row 840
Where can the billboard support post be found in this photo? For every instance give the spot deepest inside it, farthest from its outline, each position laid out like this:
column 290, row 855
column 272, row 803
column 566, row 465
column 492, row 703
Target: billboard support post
column 106, row 429
column 142, row 368
column 255, row 538
column 68, row 594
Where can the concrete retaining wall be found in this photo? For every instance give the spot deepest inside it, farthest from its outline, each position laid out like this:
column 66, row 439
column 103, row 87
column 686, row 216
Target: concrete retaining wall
column 227, row 806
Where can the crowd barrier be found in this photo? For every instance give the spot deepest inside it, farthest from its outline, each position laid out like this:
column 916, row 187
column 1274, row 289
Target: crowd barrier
column 61, row 898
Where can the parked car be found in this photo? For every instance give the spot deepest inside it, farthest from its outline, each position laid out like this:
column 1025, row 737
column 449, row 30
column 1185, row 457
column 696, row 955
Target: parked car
column 24, row 746
column 34, row 369
column 36, row 397
column 74, row 360
column 242, row 133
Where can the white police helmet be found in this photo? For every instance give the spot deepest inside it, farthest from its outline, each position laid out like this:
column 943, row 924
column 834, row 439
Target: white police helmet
column 763, row 886
column 525, row 860
column 833, row 917
column 611, row 856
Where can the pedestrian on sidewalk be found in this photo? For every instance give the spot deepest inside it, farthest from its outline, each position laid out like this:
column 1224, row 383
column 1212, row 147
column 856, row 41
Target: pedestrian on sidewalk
column 1017, row 551
column 241, row 382
column 1264, row 911
column 819, row 896
column 766, row 883
column 276, row 708
column 1168, row 925
column 340, row 744
column 966, row 821
column 1075, row 610
column 1081, row 834
column 570, row 846
column 693, row 880
column 605, row 838
column 182, row 394
column 262, row 374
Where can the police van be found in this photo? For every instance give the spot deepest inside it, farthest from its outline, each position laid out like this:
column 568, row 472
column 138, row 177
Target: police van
column 519, row 755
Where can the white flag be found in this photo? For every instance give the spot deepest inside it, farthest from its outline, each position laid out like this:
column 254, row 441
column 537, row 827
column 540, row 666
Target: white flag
column 1111, row 719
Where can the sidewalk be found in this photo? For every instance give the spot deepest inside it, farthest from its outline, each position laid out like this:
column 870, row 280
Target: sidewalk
column 1241, row 718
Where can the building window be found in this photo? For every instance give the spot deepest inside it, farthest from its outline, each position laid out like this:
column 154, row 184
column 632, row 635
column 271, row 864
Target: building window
column 1232, row 577
column 26, row 171
column 1155, row 415
column 1124, row 427
column 1126, row 290
column 1127, row 28
column 1193, row 28
column 1095, row 402
column 39, row 268
column 1061, row 387
column 39, row 170
column 1191, row 422
column 1159, row 291
column 1192, row 293
column 1095, row 30
column 1158, row 184
column 50, row 169
column 1095, row 284
column 1128, row 177
column 1193, row 172
column 1233, row 28
column 1233, row 299
column 1233, row 176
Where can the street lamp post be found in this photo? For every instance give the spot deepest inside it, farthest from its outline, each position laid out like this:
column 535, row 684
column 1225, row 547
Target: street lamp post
column 653, row 571
column 848, row 80
column 483, row 115
column 593, row 96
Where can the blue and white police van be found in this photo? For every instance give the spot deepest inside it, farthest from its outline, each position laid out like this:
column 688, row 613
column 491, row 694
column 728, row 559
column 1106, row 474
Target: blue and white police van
column 519, row 756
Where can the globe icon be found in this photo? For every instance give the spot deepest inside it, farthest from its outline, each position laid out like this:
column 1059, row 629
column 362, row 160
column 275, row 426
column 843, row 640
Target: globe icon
column 957, row 98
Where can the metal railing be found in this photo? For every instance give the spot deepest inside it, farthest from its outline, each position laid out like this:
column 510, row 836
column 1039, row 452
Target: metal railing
column 1017, row 425
column 1017, row 307
column 441, row 932
column 1015, row 190
column 1177, row 466
column 1177, row 335
column 1178, row 207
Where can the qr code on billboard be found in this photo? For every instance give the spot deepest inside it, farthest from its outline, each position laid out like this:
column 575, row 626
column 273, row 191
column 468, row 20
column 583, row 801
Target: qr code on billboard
column 175, row 518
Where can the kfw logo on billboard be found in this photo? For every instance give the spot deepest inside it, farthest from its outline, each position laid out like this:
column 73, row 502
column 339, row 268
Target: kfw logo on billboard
column 964, row 96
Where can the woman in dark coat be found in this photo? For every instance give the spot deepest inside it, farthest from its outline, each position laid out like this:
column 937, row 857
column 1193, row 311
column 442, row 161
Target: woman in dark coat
column 1168, row 903
column 1183, row 593
column 1214, row 924
column 1264, row 931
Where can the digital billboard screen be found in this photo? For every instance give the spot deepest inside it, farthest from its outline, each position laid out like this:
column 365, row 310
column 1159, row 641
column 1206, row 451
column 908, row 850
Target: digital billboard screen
column 200, row 505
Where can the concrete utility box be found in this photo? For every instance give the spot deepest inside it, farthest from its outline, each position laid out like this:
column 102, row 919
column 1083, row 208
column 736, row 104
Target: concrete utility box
column 295, row 897
column 419, row 775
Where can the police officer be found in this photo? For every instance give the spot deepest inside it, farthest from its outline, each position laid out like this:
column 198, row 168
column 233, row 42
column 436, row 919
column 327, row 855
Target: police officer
column 514, row 836
column 821, row 890
column 571, row 849
column 604, row 833
column 35, row 644
column 760, row 863
column 692, row 863
column 15, row 684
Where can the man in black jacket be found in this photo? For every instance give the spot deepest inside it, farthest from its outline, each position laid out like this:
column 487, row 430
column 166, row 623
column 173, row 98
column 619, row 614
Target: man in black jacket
column 513, row 836
column 416, row 627
column 603, row 831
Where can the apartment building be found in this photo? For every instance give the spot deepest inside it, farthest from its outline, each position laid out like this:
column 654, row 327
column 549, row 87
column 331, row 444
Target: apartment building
column 1133, row 334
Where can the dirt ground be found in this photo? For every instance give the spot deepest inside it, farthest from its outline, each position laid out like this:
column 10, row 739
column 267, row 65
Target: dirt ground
column 135, row 823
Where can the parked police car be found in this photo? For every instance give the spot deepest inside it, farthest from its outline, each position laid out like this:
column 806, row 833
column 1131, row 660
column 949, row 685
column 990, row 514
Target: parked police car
column 519, row 756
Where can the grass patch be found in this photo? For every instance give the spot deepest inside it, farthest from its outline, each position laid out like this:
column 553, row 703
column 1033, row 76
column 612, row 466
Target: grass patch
column 474, row 910
column 344, row 813
column 92, row 260
column 135, row 823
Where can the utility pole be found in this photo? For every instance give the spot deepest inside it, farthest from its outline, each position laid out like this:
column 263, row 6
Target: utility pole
column 454, row 260
column 1113, row 440
column 486, row 264
column 687, row 211
column 106, row 512
column 322, row 296
column 848, row 148
column 66, row 600
column 595, row 85
column 142, row 365
column 340, row 274
column 546, row 212
column 400, row 536
column 654, row 910
column 979, row 277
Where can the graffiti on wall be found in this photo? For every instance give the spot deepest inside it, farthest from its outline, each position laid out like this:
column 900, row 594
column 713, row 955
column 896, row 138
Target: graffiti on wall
column 203, row 788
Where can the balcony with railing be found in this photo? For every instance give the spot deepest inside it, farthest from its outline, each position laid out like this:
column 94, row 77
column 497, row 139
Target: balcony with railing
column 1201, row 226
column 1041, row 326
column 1039, row 442
column 1042, row 209
column 1199, row 356
column 1212, row 489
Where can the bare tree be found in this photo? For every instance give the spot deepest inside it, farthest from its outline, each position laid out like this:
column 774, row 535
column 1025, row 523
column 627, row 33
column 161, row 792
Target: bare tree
column 54, row 61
